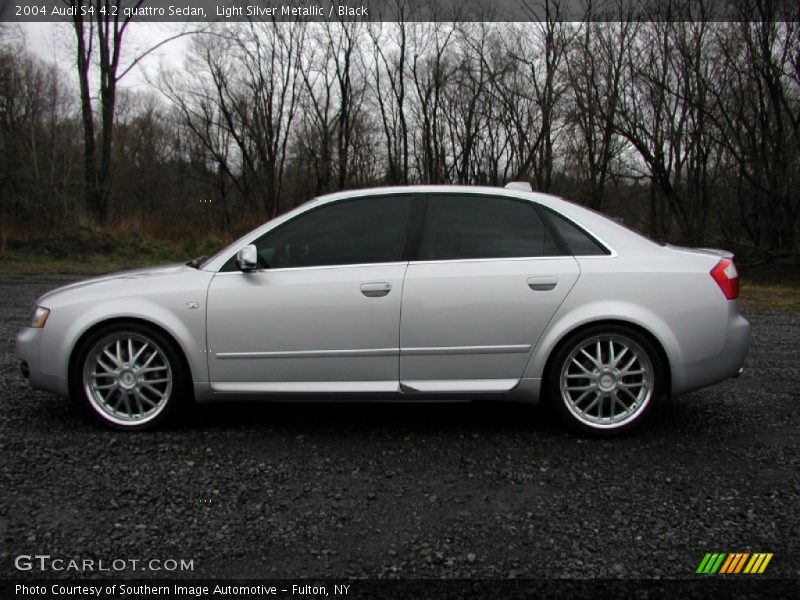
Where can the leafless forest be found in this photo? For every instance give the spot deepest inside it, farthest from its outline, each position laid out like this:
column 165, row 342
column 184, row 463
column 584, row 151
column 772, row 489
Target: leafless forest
column 689, row 131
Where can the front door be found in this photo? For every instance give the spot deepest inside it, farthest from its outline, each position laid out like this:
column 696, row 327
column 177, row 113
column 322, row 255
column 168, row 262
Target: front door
column 322, row 313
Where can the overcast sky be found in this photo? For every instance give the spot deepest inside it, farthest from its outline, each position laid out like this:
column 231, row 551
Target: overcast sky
column 55, row 42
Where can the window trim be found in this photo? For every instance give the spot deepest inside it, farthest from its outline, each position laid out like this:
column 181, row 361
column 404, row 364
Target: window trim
column 230, row 265
column 416, row 228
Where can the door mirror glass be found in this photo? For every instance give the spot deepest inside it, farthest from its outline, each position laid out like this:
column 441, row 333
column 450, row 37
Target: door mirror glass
column 247, row 258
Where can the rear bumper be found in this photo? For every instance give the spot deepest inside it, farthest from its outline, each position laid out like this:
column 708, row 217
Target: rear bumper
column 728, row 363
column 29, row 351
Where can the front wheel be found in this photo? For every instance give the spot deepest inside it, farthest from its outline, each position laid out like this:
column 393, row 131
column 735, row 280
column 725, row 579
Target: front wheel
column 130, row 376
column 605, row 380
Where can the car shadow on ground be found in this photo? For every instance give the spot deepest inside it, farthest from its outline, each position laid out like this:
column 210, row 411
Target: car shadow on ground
column 331, row 417
column 320, row 414
column 314, row 416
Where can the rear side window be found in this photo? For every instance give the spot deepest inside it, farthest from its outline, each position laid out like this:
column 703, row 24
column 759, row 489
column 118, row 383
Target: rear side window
column 578, row 241
column 470, row 226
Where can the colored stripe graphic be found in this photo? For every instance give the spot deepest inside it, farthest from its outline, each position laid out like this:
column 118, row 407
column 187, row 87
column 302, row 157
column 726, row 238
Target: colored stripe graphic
column 727, row 564
column 758, row 563
column 711, row 563
column 741, row 562
column 730, row 563
column 703, row 563
column 735, row 562
column 733, row 558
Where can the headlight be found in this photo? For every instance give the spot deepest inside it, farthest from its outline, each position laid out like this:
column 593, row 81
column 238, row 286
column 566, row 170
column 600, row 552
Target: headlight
column 39, row 316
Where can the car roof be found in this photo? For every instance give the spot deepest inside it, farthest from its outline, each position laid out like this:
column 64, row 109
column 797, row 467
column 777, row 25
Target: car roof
column 433, row 189
column 600, row 225
column 613, row 235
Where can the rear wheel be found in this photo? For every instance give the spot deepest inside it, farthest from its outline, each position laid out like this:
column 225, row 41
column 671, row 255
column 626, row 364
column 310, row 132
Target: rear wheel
column 605, row 380
column 130, row 376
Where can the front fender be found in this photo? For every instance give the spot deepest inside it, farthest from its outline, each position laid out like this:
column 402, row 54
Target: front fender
column 68, row 324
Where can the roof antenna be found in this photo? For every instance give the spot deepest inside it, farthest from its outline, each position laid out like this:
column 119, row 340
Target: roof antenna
column 519, row 185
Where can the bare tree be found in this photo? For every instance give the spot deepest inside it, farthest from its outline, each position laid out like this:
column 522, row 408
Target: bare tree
column 755, row 105
column 36, row 149
column 472, row 109
column 245, row 83
column 100, row 27
column 663, row 116
column 318, row 116
column 595, row 69
column 390, row 45
column 335, row 85
column 431, row 68
column 700, row 115
column 530, row 88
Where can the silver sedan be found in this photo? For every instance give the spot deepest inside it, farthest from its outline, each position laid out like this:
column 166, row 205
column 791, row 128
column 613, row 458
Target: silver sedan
column 417, row 293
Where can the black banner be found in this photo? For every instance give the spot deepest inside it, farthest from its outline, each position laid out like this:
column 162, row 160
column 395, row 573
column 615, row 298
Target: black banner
column 718, row 587
column 223, row 11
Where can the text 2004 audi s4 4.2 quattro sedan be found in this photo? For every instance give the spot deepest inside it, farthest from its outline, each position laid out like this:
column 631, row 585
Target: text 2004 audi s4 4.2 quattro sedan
column 402, row 293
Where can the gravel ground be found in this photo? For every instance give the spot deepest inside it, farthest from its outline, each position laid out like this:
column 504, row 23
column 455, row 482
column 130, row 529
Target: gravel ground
column 441, row 490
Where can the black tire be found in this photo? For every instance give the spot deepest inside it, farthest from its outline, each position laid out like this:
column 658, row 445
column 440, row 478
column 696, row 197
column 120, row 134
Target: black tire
column 632, row 396
column 131, row 387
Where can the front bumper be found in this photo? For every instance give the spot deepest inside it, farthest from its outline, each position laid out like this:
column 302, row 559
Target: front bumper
column 29, row 351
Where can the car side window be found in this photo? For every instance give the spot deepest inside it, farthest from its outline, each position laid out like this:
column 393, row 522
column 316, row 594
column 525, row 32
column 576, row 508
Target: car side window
column 578, row 241
column 363, row 230
column 473, row 226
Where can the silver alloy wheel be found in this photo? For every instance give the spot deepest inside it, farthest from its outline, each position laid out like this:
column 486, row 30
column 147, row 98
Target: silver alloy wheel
column 127, row 378
column 606, row 381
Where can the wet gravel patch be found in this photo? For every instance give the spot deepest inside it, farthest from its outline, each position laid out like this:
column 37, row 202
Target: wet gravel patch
column 406, row 490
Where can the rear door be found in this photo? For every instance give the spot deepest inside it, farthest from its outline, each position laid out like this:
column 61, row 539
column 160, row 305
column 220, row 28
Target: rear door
column 487, row 279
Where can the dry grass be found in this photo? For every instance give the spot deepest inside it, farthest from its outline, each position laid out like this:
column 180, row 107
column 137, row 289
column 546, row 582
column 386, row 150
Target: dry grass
column 768, row 296
column 89, row 251
column 17, row 262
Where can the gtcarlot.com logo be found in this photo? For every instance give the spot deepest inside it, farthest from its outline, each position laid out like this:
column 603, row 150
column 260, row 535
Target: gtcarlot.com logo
column 45, row 562
column 728, row 563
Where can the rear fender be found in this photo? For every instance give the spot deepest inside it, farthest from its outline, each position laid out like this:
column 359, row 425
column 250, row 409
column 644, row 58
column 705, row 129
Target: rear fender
column 563, row 324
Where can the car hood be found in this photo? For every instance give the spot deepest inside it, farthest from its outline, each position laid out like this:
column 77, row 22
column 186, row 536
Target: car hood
column 134, row 274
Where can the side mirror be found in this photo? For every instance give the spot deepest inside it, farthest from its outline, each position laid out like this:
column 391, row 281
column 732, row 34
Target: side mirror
column 247, row 258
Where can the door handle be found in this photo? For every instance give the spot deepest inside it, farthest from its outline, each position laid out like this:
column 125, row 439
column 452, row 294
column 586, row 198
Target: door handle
column 376, row 290
column 542, row 284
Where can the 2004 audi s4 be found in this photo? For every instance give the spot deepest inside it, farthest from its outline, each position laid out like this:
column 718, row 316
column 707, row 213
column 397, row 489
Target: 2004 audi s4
column 411, row 293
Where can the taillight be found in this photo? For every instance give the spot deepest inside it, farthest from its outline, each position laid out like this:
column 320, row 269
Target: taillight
column 727, row 278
